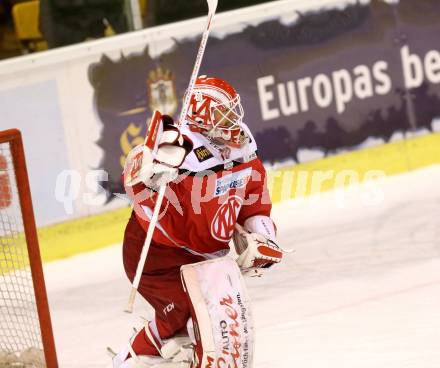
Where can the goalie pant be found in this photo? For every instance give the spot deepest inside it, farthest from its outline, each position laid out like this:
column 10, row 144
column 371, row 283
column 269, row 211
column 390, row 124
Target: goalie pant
column 160, row 284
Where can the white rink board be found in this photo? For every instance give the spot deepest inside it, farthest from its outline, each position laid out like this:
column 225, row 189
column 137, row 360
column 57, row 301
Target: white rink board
column 362, row 289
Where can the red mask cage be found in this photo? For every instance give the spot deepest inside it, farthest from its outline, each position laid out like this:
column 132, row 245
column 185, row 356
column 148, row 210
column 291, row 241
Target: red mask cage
column 215, row 110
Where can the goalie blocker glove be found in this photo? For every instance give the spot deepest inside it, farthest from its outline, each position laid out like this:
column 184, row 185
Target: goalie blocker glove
column 158, row 168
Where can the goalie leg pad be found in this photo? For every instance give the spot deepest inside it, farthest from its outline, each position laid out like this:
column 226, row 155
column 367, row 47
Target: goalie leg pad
column 221, row 314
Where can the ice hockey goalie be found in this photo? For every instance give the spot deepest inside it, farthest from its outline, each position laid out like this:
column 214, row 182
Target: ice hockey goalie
column 216, row 190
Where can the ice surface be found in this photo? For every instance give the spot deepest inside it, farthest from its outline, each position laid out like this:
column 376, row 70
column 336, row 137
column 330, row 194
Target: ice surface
column 362, row 289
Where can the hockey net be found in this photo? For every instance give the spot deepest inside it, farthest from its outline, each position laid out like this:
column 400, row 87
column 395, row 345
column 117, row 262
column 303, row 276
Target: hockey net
column 26, row 338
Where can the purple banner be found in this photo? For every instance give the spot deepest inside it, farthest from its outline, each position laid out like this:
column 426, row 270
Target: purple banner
column 331, row 80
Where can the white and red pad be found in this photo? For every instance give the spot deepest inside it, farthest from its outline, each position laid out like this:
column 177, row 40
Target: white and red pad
column 134, row 161
column 221, row 313
column 155, row 129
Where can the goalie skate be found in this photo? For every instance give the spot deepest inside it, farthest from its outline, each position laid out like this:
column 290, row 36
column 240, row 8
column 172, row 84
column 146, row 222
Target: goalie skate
column 175, row 353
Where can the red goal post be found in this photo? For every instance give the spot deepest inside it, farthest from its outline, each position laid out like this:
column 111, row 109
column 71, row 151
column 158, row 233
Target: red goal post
column 26, row 337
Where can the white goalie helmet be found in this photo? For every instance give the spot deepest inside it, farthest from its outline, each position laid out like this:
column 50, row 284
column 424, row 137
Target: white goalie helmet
column 215, row 110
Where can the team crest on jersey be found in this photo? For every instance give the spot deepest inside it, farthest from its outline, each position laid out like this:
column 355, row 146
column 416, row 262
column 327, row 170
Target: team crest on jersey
column 222, row 226
column 235, row 180
column 202, row 153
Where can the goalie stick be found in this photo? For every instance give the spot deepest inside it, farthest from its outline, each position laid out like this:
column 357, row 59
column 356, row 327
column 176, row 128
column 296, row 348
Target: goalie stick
column 151, row 141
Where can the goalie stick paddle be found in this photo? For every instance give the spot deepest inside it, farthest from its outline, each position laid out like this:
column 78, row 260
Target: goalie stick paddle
column 153, row 134
column 155, row 129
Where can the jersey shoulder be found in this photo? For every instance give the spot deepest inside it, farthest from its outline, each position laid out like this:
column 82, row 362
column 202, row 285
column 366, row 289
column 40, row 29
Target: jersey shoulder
column 207, row 155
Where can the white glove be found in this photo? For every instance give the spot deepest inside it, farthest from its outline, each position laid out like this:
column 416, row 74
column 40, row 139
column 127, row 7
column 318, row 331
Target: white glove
column 160, row 167
column 255, row 250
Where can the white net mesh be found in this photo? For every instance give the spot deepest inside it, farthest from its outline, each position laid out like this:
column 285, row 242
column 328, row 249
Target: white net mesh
column 20, row 336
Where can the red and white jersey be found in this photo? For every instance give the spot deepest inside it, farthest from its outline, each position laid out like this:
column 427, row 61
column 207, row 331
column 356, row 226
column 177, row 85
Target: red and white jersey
column 217, row 187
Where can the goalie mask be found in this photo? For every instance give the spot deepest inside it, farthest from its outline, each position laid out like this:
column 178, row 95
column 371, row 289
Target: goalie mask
column 215, row 110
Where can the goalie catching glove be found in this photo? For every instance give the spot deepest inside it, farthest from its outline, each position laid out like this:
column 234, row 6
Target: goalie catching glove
column 158, row 166
column 255, row 251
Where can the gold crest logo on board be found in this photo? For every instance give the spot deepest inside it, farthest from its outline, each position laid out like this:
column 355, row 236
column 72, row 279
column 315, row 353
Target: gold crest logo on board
column 162, row 94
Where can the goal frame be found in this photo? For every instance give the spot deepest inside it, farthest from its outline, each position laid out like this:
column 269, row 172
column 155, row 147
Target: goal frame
column 14, row 138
